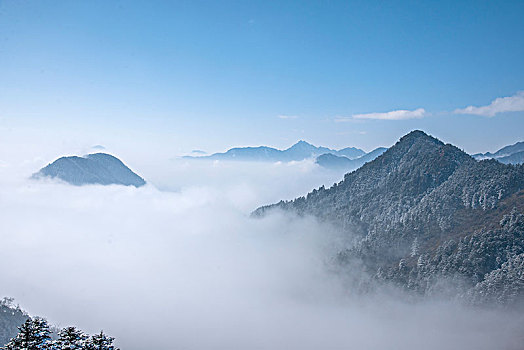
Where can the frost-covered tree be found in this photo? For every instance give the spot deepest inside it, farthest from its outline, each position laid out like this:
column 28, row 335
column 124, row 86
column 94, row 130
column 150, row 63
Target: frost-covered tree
column 11, row 317
column 426, row 216
column 32, row 335
column 415, row 248
column 101, row 342
column 70, row 338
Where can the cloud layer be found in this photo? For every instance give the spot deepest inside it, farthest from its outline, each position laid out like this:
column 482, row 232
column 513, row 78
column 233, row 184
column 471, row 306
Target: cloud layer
column 190, row 269
column 513, row 103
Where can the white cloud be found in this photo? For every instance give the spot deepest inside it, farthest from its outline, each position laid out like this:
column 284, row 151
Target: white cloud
column 400, row 114
column 189, row 269
column 288, row 116
column 343, row 119
column 513, row 103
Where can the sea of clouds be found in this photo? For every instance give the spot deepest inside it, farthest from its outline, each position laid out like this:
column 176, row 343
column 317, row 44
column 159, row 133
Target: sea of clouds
column 180, row 264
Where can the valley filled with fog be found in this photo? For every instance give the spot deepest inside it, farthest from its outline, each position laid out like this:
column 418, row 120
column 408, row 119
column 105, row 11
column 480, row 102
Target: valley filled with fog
column 180, row 264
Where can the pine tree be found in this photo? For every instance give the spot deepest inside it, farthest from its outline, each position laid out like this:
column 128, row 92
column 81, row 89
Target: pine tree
column 32, row 335
column 101, row 342
column 70, row 338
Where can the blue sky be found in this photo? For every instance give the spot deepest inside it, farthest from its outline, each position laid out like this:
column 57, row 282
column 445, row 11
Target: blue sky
column 216, row 74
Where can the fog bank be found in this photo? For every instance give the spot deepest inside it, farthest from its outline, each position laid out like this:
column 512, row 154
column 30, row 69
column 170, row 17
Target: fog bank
column 179, row 264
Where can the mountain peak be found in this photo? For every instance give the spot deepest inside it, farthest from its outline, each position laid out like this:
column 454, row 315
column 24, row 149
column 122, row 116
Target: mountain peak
column 415, row 134
column 302, row 143
column 96, row 168
column 409, row 208
column 302, row 146
column 428, row 153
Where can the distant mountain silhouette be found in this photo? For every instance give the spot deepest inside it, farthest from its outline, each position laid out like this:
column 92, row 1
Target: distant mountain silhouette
column 350, row 152
column 514, row 158
column 97, row 168
column 299, row 151
column 429, row 218
column 331, row 161
column 511, row 154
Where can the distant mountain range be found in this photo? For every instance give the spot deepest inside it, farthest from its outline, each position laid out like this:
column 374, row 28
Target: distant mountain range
column 331, row 161
column 97, row 168
column 513, row 154
column 430, row 219
column 515, row 158
column 299, row 151
column 346, row 159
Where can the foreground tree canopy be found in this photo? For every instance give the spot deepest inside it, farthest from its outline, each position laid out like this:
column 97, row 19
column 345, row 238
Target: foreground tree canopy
column 34, row 334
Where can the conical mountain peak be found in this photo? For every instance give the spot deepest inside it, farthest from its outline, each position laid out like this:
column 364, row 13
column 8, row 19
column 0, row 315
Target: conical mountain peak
column 302, row 143
column 417, row 136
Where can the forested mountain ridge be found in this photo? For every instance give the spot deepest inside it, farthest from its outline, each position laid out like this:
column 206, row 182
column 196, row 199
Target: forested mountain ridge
column 421, row 198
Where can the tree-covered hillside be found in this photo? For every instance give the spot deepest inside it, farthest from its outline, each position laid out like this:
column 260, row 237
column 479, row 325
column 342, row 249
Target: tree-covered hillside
column 419, row 206
column 11, row 317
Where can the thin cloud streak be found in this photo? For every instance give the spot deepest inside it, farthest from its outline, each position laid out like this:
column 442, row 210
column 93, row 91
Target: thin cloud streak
column 401, row 114
column 513, row 103
column 288, row 116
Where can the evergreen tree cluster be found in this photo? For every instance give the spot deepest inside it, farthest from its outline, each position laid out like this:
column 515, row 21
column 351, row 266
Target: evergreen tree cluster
column 35, row 334
column 486, row 267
